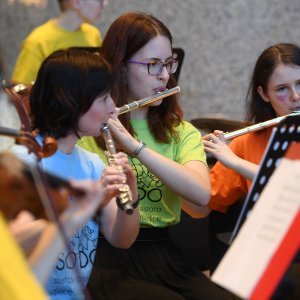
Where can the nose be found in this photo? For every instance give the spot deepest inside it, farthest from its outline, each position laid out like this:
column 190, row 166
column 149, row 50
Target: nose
column 111, row 108
column 295, row 94
column 164, row 75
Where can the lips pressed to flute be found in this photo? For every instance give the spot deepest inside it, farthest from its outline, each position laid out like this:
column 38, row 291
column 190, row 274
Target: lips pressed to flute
column 136, row 104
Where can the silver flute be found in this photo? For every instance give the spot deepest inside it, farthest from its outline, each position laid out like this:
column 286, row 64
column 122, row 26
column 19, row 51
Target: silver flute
column 125, row 197
column 145, row 101
column 258, row 126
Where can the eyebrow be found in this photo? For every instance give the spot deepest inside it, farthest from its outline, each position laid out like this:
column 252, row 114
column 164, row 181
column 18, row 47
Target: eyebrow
column 158, row 59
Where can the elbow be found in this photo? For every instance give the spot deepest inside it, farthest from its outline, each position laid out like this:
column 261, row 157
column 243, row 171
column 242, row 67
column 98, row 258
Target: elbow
column 124, row 240
column 203, row 192
column 123, row 243
column 196, row 211
column 197, row 215
column 124, row 246
column 207, row 193
column 206, row 197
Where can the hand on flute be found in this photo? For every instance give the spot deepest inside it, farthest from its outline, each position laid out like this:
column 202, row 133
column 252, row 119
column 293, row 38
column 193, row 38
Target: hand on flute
column 116, row 177
column 215, row 144
column 123, row 139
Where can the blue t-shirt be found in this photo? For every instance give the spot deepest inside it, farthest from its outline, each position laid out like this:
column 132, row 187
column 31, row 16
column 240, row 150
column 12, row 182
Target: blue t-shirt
column 74, row 265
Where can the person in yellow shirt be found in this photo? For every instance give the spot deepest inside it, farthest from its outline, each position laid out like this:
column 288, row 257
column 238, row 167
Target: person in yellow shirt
column 72, row 28
column 16, row 279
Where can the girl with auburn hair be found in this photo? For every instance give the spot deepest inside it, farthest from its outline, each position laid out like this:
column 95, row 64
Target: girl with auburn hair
column 167, row 155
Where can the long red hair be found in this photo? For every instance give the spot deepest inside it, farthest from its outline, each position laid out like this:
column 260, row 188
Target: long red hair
column 127, row 35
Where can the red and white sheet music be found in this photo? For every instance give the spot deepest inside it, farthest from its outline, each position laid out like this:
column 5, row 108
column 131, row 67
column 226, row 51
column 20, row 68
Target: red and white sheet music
column 269, row 238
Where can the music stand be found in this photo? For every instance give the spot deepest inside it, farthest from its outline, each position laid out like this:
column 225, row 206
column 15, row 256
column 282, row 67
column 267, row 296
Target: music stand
column 288, row 130
column 266, row 246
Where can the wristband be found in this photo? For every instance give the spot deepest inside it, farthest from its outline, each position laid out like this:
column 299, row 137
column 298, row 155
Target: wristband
column 133, row 205
column 136, row 202
column 138, row 149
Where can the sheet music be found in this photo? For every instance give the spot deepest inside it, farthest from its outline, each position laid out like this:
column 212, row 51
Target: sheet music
column 262, row 232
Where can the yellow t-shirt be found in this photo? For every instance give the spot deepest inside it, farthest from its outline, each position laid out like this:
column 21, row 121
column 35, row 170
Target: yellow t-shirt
column 16, row 280
column 46, row 39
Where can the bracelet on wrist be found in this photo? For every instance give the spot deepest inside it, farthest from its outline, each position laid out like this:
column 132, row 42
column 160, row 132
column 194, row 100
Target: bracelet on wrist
column 135, row 204
column 138, row 149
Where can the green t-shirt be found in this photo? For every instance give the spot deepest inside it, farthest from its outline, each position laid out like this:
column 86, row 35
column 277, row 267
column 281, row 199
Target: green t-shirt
column 46, row 39
column 159, row 206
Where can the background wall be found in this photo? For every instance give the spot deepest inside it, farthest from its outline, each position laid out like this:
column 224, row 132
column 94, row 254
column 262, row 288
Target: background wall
column 221, row 38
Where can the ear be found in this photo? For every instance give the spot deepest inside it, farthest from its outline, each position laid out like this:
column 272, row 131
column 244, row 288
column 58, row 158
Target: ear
column 262, row 94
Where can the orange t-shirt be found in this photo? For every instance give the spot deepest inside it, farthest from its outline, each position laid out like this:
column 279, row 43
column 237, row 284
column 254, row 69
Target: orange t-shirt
column 228, row 186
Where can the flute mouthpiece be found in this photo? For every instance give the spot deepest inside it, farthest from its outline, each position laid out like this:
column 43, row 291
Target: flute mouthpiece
column 159, row 90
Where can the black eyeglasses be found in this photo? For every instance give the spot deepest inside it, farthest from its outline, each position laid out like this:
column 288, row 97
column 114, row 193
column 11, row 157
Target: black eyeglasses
column 156, row 67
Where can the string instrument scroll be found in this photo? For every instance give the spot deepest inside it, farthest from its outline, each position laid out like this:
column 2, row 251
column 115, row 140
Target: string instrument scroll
column 28, row 140
column 25, row 136
column 21, row 183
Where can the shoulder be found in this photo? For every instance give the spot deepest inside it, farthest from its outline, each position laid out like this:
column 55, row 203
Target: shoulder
column 185, row 127
column 189, row 146
column 39, row 32
column 186, row 132
column 90, row 28
column 91, row 160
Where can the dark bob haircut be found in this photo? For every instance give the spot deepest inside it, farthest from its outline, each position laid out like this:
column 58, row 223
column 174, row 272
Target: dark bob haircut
column 67, row 84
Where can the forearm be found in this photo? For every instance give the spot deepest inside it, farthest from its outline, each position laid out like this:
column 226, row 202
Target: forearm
column 189, row 181
column 119, row 228
column 27, row 235
column 245, row 168
column 44, row 255
column 126, row 228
